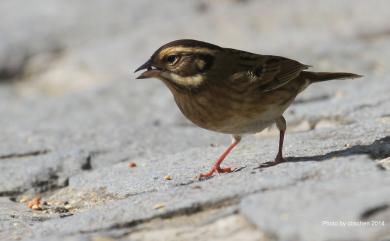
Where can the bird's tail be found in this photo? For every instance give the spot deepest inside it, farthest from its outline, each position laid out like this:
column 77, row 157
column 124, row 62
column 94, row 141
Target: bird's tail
column 324, row 76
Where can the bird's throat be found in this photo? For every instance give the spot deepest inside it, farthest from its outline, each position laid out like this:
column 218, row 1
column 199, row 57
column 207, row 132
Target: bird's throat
column 187, row 81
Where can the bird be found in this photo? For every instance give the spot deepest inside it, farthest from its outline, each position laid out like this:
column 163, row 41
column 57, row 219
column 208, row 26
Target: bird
column 231, row 91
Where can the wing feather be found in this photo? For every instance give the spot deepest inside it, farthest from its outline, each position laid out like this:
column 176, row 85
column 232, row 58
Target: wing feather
column 269, row 72
column 278, row 71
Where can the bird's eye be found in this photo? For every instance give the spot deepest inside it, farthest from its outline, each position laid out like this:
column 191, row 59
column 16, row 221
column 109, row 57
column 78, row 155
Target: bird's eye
column 172, row 59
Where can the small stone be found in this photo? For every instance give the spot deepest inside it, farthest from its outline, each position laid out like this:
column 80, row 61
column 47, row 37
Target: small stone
column 132, row 165
column 102, row 238
column 68, row 206
column 35, row 203
column 159, row 206
column 340, row 93
column 61, row 210
column 384, row 119
column 167, row 177
column 325, row 123
column 384, row 163
column 23, row 199
column 35, row 207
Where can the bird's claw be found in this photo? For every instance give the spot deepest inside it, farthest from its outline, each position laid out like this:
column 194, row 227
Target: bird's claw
column 277, row 161
column 215, row 169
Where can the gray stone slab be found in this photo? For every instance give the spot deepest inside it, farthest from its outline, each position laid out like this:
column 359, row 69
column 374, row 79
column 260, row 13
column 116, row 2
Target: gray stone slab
column 341, row 208
column 72, row 109
column 186, row 198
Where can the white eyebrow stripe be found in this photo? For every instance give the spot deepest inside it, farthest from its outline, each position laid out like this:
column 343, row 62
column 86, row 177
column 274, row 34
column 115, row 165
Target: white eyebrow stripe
column 192, row 81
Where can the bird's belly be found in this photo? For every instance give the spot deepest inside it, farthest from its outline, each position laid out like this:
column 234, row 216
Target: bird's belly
column 250, row 114
column 246, row 123
column 231, row 119
column 245, row 126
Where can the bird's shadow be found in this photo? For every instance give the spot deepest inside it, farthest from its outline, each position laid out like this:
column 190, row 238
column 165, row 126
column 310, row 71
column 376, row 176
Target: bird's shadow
column 377, row 150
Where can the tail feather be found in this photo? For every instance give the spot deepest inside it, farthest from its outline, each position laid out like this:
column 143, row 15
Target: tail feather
column 324, row 76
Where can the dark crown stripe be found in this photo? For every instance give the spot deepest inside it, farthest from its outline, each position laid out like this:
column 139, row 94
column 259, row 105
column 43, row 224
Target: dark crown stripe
column 190, row 43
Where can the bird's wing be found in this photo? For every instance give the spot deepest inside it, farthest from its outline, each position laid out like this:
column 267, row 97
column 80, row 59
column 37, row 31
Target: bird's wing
column 271, row 72
column 278, row 71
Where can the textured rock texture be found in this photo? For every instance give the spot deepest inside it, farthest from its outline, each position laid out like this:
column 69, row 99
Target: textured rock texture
column 96, row 145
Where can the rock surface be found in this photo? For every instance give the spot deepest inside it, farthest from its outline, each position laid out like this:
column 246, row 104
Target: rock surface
column 74, row 119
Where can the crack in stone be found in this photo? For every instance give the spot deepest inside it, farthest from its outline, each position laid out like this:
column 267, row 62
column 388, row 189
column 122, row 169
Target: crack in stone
column 39, row 186
column 138, row 193
column 51, row 183
column 374, row 35
column 25, row 154
column 195, row 208
column 8, row 73
column 87, row 164
column 368, row 105
column 11, row 194
column 189, row 210
column 200, row 207
column 185, row 183
column 140, row 227
column 374, row 211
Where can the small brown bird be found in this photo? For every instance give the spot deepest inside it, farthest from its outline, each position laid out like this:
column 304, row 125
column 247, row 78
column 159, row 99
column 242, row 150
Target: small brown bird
column 231, row 91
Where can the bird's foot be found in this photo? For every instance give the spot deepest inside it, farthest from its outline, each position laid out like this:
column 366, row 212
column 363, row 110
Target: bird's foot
column 214, row 169
column 278, row 160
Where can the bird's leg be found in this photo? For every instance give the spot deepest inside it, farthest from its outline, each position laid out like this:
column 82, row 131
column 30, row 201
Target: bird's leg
column 281, row 124
column 216, row 167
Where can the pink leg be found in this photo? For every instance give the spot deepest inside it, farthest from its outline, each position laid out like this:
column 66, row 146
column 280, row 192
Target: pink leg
column 216, row 167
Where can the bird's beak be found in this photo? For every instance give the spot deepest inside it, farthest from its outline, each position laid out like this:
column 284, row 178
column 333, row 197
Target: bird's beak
column 151, row 71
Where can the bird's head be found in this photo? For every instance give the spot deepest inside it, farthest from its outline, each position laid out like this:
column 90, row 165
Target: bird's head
column 184, row 63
